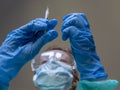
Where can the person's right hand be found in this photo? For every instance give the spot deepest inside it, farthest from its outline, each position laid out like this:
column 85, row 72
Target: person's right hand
column 76, row 28
column 22, row 44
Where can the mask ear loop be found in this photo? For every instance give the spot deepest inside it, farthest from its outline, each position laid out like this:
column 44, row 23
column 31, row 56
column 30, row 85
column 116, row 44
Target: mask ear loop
column 75, row 69
column 75, row 75
column 74, row 65
column 32, row 65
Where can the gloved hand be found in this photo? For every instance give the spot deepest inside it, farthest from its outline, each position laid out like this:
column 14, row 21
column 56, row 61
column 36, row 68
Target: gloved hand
column 97, row 85
column 22, row 44
column 76, row 28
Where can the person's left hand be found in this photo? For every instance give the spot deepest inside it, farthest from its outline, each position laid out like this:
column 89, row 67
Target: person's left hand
column 76, row 28
column 22, row 44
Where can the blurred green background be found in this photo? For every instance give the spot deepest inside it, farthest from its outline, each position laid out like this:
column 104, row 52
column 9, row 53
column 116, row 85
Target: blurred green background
column 103, row 15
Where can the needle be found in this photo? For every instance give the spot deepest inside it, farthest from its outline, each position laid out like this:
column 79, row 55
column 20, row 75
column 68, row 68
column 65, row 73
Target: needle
column 46, row 13
column 46, row 17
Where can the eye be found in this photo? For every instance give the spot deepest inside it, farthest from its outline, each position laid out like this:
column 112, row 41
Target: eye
column 63, row 60
column 42, row 62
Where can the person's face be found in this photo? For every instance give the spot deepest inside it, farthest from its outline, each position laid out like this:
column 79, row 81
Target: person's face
column 51, row 73
column 58, row 54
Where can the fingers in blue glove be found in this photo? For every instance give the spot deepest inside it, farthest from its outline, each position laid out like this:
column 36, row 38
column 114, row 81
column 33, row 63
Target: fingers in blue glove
column 31, row 31
column 39, row 24
column 75, row 19
column 52, row 23
column 46, row 38
column 69, row 32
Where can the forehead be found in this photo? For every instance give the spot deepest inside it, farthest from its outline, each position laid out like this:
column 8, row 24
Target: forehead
column 58, row 54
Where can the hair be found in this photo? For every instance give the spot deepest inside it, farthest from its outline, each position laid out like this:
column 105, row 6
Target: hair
column 75, row 71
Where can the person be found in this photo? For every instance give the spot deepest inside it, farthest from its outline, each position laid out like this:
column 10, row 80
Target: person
column 55, row 69
column 24, row 43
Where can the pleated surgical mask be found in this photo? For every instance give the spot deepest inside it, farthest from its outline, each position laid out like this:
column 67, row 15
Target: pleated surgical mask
column 53, row 75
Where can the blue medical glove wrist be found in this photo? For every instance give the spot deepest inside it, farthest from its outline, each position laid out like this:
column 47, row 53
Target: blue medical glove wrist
column 76, row 28
column 21, row 45
column 89, row 62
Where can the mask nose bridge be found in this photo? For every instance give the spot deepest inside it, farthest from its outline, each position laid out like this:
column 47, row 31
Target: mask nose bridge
column 51, row 59
column 54, row 57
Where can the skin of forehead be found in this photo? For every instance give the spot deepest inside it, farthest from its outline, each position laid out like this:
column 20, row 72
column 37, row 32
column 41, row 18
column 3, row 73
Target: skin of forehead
column 65, row 54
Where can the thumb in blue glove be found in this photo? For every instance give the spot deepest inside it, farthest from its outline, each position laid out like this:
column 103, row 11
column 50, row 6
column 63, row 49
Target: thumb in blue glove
column 76, row 28
column 22, row 44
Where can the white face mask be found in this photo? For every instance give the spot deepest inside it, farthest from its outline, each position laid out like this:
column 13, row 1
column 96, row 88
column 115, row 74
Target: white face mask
column 53, row 75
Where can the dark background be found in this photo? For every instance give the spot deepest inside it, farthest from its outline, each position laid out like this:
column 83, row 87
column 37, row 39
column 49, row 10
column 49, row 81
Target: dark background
column 103, row 15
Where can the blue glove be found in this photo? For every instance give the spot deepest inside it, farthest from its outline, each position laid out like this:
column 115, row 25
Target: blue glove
column 76, row 27
column 97, row 85
column 22, row 44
